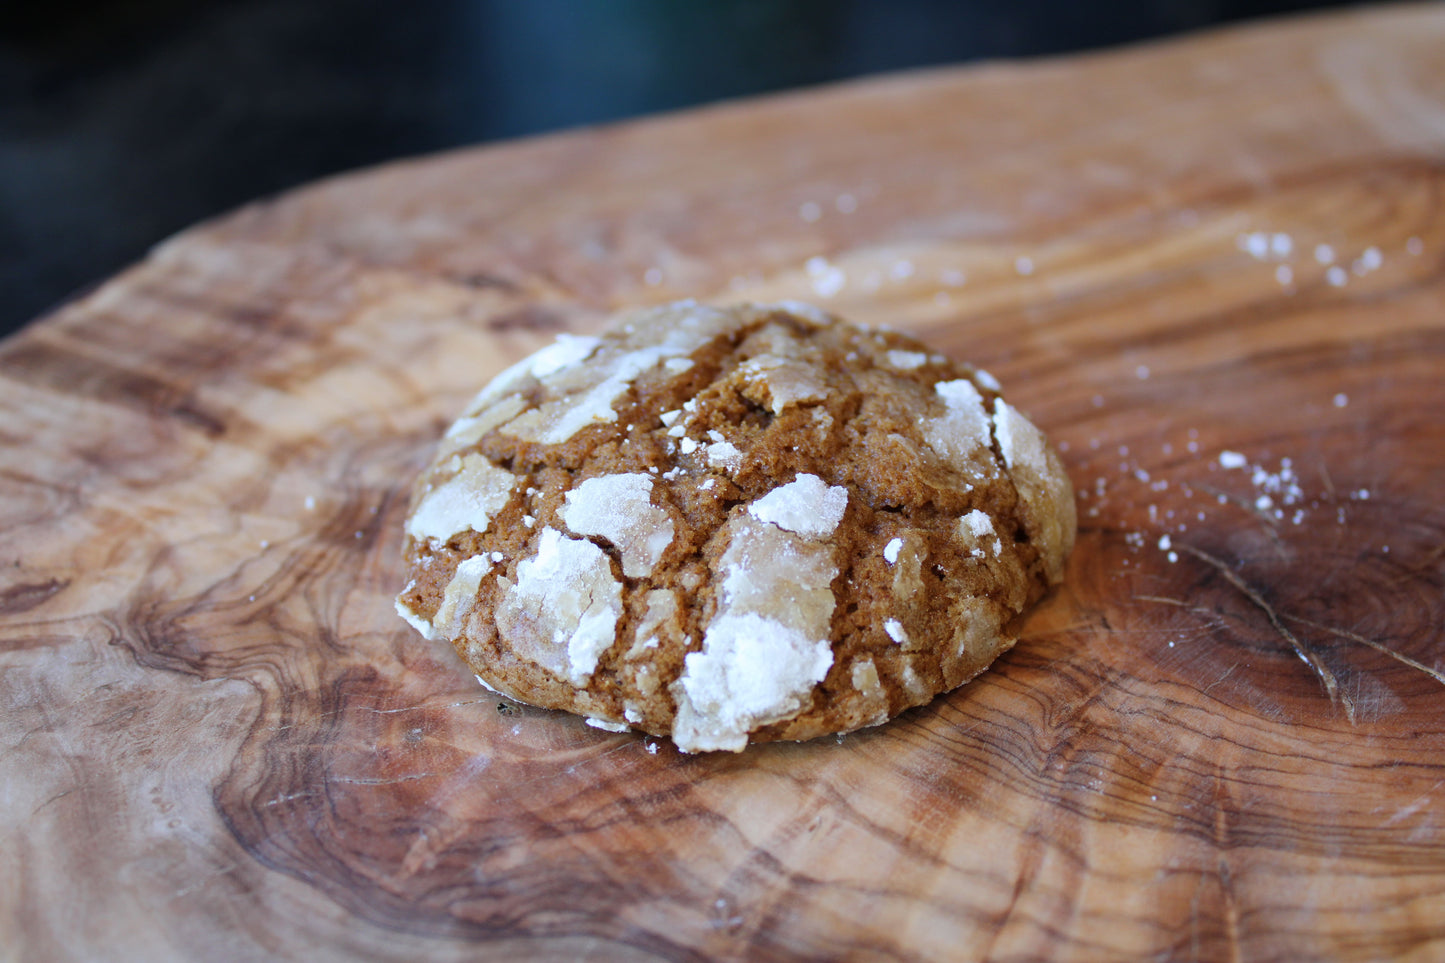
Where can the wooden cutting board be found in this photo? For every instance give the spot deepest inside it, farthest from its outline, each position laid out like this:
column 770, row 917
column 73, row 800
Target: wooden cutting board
column 1223, row 739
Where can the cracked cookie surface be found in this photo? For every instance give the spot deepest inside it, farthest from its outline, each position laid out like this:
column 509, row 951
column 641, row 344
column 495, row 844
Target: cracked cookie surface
column 735, row 525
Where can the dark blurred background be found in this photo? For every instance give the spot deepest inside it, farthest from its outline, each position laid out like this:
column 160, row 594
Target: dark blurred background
column 123, row 122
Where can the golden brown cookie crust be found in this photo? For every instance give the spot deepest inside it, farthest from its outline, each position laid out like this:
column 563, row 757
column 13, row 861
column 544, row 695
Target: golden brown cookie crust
column 735, row 525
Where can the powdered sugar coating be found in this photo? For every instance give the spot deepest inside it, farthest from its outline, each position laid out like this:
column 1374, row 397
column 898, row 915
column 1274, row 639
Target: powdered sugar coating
column 961, row 435
column 768, row 645
column 619, row 508
column 465, row 501
column 806, row 505
column 1048, row 497
column 564, row 607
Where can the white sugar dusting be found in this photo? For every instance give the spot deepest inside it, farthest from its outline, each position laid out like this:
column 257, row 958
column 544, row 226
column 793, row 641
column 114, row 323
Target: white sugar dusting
column 987, row 380
column 567, row 350
column 961, row 436
column 619, row 508
column 725, row 455
column 896, row 631
column 906, row 360
column 467, row 500
column 1041, row 482
column 806, row 505
column 460, row 596
column 415, row 621
column 973, row 528
column 562, row 612
column 767, row 646
column 788, row 383
column 827, row 279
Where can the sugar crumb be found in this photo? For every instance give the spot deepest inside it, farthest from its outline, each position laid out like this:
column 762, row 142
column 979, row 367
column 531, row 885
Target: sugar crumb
column 890, row 551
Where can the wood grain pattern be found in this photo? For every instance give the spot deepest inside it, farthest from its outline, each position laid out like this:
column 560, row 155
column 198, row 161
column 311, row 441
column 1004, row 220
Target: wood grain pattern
column 220, row 742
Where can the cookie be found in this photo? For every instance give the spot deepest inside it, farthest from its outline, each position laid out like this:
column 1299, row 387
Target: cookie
column 735, row 525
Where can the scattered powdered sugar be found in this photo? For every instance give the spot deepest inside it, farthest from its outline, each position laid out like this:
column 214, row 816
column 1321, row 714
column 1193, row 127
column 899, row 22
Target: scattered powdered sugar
column 1232, row 459
column 806, row 505
column 1369, row 260
column 828, row 279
